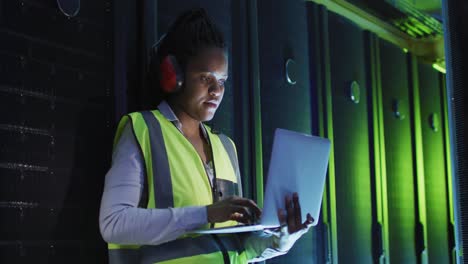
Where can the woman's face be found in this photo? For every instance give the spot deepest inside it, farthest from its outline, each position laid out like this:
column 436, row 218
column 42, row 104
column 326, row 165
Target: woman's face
column 204, row 84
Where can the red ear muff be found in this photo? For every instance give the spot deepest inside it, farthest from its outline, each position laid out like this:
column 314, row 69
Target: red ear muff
column 171, row 75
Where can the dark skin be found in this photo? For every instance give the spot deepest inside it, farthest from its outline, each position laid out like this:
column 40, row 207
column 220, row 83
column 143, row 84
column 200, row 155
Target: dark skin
column 201, row 95
column 197, row 102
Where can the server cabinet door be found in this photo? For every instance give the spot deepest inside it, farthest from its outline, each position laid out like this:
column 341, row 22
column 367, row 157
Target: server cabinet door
column 435, row 173
column 353, row 189
column 400, row 191
column 285, row 103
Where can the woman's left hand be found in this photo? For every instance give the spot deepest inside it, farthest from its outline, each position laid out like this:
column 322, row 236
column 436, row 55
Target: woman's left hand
column 292, row 227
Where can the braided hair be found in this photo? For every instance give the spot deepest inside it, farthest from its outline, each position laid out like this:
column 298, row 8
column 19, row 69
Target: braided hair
column 191, row 32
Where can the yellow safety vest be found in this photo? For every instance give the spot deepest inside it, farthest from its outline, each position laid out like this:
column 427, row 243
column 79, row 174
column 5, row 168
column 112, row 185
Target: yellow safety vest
column 176, row 177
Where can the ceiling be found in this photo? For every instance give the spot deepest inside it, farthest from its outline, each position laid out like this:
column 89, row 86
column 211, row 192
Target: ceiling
column 418, row 18
column 429, row 6
column 414, row 25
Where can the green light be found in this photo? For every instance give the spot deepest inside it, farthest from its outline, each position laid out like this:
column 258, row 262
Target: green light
column 258, row 148
column 439, row 68
column 419, row 155
column 381, row 165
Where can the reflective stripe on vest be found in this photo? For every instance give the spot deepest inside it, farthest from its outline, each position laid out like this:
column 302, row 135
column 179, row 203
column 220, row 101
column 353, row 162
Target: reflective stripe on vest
column 161, row 182
column 169, row 157
column 230, row 149
column 192, row 246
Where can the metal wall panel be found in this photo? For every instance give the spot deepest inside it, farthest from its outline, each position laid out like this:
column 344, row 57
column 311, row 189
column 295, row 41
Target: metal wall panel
column 435, row 173
column 281, row 37
column 455, row 38
column 400, row 190
column 57, row 112
column 321, row 103
column 353, row 187
column 282, row 27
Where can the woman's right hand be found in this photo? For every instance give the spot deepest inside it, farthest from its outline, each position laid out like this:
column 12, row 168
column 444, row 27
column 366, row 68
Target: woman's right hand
column 233, row 208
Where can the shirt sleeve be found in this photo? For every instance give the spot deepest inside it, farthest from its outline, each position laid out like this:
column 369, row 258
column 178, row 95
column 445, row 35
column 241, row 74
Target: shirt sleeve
column 260, row 246
column 120, row 219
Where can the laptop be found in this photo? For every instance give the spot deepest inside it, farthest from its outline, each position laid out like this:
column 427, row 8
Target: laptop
column 298, row 164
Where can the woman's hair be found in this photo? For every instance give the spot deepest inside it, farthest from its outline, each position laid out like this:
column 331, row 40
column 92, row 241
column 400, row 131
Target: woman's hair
column 191, row 32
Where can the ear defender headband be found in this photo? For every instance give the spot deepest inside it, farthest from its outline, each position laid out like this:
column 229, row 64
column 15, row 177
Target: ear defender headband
column 171, row 76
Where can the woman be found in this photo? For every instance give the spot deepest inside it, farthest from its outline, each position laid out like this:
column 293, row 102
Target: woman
column 171, row 174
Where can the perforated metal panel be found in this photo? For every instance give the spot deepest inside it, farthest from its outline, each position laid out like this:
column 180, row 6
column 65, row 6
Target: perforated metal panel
column 455, row 37
column 56, row 112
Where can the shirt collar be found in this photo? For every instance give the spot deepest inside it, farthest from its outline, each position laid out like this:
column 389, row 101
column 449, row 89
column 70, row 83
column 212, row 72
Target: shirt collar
column 167, row 112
